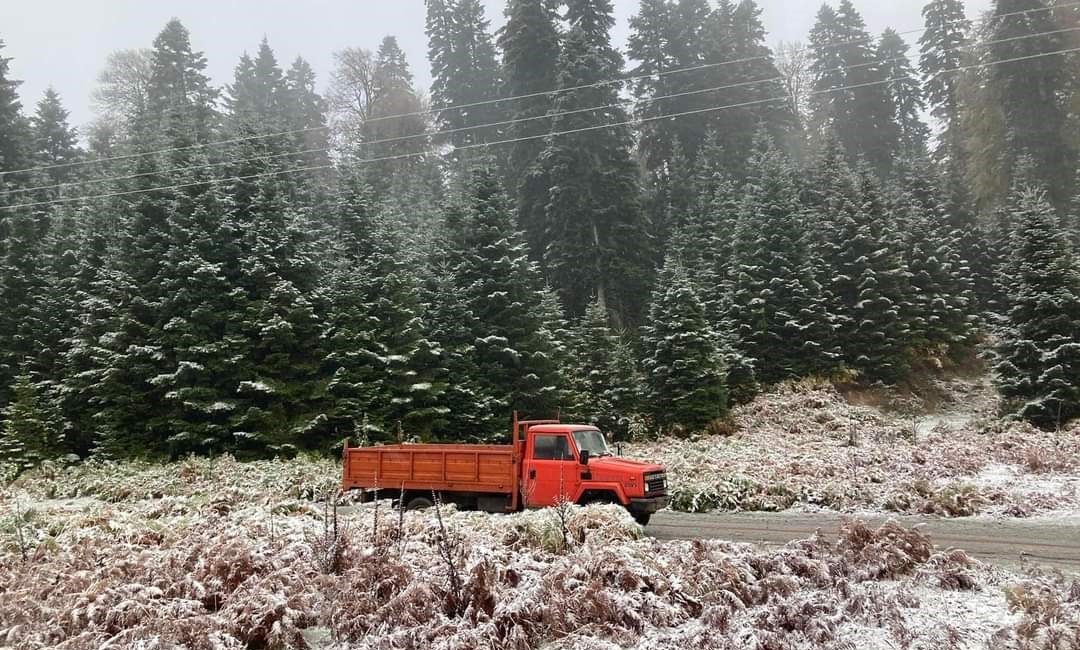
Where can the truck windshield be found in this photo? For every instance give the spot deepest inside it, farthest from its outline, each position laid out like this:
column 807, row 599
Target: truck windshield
column 591, row 440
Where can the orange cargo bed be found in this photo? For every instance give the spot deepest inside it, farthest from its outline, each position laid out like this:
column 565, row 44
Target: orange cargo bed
column 462, row 468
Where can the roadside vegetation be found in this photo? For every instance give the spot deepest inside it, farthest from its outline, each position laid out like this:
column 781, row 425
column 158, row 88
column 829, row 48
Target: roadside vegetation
column 216, row 554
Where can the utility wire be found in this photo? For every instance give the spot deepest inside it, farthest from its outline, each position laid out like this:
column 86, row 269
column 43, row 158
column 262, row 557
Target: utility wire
column 435, row 110
column 437, row 134
column 531, row 137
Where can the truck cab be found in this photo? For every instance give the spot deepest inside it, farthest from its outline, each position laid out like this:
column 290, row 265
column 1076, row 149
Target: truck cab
column 572, row 463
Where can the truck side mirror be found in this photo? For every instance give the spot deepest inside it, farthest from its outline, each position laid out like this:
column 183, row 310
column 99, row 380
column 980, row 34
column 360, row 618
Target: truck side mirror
column 584, row 457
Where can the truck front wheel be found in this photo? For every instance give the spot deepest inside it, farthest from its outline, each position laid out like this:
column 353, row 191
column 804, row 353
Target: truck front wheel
column 642, row 517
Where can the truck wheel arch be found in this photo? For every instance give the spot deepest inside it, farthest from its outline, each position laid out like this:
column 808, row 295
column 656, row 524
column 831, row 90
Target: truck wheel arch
column 602, row 494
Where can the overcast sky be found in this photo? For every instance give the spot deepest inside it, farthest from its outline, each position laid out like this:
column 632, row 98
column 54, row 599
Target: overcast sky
column 64, row 42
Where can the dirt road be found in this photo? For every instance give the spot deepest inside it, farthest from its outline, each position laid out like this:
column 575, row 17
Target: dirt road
column 1009, row 543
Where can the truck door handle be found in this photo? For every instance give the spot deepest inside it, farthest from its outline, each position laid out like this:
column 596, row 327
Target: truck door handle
column 532, row 473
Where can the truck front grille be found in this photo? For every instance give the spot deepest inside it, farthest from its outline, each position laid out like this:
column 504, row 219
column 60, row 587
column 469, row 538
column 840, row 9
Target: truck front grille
column 655, row 483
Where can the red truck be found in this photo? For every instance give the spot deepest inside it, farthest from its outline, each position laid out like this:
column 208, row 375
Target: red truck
column 545, row 463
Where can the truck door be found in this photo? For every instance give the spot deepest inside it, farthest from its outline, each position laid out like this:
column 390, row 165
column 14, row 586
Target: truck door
column 551, row 470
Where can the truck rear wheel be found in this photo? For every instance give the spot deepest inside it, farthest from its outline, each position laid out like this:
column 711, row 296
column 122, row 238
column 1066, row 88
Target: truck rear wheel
column 419, row 503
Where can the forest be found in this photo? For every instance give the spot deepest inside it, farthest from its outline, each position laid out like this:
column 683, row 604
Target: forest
column 640, row 238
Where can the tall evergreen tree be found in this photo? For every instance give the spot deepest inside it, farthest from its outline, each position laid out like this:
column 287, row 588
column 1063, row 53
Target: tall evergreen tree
column 852, row 102
column 595, row 242
column 530, row 50
column 513, row 350
column 31, row 428
column 905, row 92
column 384, row 371
column 179, row 95
column 1032, row 90
column 1039, row 366
column 463, row 69
column 777, row 308
column 865, row 277
column 55, row 141
column 14, row 132
column 941, row 56
column 683, row 367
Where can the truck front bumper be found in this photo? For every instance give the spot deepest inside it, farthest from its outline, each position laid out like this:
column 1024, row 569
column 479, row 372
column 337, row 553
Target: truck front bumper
column 648, row 505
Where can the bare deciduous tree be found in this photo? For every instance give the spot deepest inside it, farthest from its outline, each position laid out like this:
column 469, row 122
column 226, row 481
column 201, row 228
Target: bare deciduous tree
column 793, row 63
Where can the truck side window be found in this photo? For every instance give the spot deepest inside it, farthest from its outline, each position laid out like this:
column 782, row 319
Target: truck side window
column 551, row 448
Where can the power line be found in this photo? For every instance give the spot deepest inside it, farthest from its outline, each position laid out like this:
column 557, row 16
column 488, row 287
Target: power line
column 532, row 137
column 552, row 116
column 434, row 110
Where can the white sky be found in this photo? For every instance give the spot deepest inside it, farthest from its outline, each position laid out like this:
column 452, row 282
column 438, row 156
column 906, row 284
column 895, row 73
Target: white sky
column 64, row 42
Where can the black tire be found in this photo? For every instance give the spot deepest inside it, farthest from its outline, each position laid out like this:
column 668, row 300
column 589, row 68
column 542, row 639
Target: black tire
column 419, row 503
column 642, row 517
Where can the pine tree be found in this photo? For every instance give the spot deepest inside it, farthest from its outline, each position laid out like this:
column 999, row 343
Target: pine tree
column 683, row 367
column 905, row 92
column 463, row 69
column 55, row 141
column 14, row 130
column 941, row 55
column 595, row 242
column 777, row 309
column 1039, row 367
column 530, row 50
column 180, row 96
column 305, row 115
column 502, row 290
column 941, row 291
column 23, row 288
column 1031, row 91
column 256, row 98
column 864, row 276
column 599, row 388
column 384, row 369
column 861, row 116
column 31, row 429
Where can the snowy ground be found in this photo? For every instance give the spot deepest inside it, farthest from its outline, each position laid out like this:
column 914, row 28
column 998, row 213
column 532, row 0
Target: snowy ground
column 208, row 555
column 805, row 446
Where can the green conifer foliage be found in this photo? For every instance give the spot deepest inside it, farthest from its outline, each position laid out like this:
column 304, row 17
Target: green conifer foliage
column 31, row 429
column 1039, row 354
column 683, row 367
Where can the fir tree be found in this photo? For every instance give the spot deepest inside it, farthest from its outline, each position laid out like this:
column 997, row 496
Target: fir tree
column 599, row 388
column 31, row 429
column 179, row 95
column 513, row 350
column 683, row 367
column 55, row 141
column 463, row 69
column 862, row 116
column 941, row 291
column 530, row 50
column 777, row 310
column 23, row 290
column 595, row 243
column 1039, row 367
column 1031, row 91
column 14, row 130
column 384, row 369
column 941, row 55
column 905, row 92
column 865, row 277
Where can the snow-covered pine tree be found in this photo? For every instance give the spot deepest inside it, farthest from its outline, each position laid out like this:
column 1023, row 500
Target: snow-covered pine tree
column 502, row 290
column 941, row 55
column 862, row 271
column 384, row 369
column 55, row 142
column 777, row 310
column 593, row 375
column 23, row 291
column 15, row 138
column 463, row 69
column 530, row 50
column 596, row 241
column 31, row 428
column 863, row 117
column 905, row 92
column 683, row 367
column 1039, row 353
column 942, row 295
